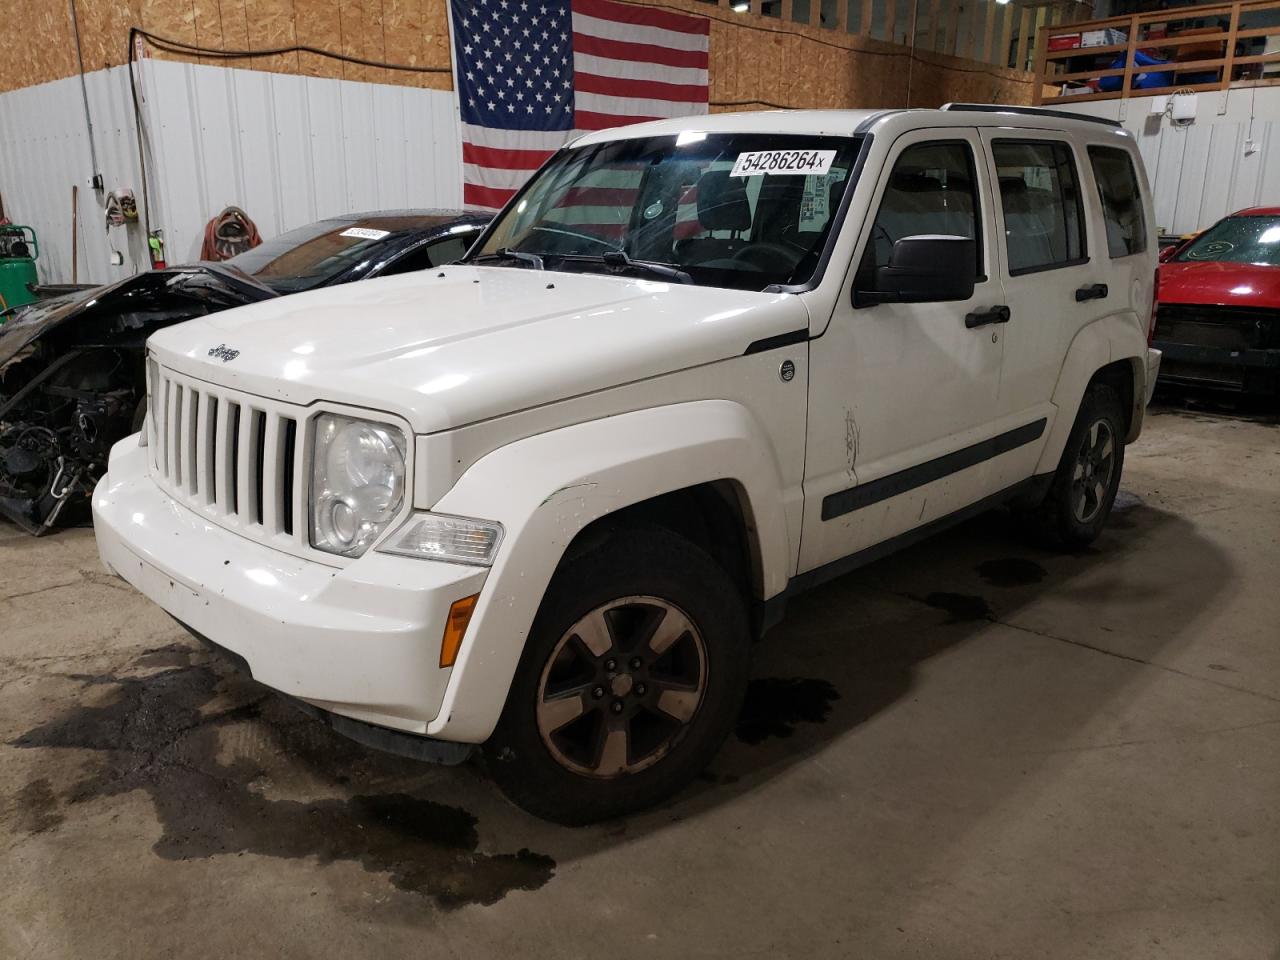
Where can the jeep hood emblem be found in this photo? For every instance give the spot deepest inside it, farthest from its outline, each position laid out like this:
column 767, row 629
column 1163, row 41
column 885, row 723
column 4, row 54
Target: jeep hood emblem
column 223, row 353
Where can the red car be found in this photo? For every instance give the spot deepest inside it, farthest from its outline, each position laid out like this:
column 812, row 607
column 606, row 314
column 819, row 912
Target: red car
column 1218, row 322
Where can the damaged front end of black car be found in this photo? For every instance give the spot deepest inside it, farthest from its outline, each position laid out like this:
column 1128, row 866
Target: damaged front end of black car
column 72, row 382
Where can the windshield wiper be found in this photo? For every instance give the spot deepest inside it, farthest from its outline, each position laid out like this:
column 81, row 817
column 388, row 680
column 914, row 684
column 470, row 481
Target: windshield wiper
column 619, row 260
column 506, row 253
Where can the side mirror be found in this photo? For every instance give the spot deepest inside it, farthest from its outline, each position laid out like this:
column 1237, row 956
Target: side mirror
column 924, row 269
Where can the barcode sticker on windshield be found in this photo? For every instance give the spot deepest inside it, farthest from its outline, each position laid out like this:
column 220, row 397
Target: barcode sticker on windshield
column 364, row 233
column 802, row 162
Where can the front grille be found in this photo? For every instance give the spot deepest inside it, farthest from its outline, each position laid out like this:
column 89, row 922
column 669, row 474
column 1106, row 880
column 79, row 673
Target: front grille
column 231, row 456
column 1228, row 328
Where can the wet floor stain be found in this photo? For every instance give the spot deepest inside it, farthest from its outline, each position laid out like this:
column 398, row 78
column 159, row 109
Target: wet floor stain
column 37, row 807
column 775, row 705
column 961, row 607
column 161, row 732
column 1011, row 572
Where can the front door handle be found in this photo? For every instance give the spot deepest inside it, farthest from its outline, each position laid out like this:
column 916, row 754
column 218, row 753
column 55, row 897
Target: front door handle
column 980, row 318
column 1091, row 291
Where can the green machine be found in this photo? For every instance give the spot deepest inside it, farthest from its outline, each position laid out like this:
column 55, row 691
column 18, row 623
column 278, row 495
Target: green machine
column 18, row 252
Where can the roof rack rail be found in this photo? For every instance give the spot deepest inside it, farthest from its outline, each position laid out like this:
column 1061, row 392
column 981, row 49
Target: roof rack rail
column 1029, row 111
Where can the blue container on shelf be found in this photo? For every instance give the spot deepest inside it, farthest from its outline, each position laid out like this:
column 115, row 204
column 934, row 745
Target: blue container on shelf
column 1141, row 81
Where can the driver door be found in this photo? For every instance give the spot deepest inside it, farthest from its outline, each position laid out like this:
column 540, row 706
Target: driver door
column 903, row 396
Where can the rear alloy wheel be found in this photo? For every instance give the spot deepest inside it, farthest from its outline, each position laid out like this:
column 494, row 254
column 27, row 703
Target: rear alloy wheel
column 1084, row 486
column 632, row 677
column 1091, row 475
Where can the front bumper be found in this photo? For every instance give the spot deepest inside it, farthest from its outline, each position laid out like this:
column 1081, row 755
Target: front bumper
column 1193, row 364
column 361, row 641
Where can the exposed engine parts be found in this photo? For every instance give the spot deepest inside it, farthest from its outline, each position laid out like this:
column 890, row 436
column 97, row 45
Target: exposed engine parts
column 57, row 423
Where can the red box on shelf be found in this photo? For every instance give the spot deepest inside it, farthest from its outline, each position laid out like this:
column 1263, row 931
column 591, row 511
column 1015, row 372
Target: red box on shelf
column 1064, row 41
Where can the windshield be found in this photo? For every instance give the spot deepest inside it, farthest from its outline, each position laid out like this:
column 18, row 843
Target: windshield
column 1237, row 240
column 725, row 210
column 307, row 257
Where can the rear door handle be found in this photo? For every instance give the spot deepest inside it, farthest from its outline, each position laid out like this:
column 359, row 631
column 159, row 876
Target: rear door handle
column 1091, row 291
column 980, row 318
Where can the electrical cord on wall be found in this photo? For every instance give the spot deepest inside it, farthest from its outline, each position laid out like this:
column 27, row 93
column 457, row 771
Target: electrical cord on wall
column 181, row 47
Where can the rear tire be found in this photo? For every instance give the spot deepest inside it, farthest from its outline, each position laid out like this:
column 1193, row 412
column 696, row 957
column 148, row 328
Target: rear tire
column 1084, row 486
column 631, row 679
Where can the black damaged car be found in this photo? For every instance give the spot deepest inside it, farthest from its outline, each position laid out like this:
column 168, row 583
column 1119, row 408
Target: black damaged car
column 72, row 378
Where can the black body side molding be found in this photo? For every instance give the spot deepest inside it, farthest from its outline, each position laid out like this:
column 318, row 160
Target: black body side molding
column 865, row 494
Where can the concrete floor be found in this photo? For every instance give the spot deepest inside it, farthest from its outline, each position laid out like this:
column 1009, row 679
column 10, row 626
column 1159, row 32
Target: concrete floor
column 973, row 749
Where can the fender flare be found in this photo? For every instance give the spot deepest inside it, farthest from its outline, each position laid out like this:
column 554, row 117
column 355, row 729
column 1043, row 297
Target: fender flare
column 546, row 488
column 1102, row 342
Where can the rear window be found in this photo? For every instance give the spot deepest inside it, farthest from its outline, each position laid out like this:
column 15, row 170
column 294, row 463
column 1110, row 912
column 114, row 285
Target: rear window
column 1121, row 200
column 1040, row 197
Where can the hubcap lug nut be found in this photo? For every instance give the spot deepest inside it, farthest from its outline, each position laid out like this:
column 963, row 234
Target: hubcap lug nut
column 617, row 706
column 639, row 689
column 635, row 663
column 611, row 665
column 597, row 692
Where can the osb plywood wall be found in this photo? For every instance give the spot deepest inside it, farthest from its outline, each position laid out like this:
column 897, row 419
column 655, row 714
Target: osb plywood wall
column 756, row 62
column 409, row 32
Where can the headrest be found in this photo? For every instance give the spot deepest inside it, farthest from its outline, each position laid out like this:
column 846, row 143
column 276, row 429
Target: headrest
column 722, row 201
column 1012, row 185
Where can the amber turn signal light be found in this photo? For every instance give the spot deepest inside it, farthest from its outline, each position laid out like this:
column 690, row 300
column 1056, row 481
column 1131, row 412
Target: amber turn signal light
column 455, row 627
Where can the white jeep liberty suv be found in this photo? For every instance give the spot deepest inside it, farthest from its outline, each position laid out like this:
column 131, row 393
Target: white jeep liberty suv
column 546, row 498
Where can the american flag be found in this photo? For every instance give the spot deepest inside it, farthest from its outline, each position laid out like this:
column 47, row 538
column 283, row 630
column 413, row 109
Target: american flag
column 530, row 74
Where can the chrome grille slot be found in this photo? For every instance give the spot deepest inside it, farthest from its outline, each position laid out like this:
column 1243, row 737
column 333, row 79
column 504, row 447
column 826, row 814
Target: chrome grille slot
column 232, row 457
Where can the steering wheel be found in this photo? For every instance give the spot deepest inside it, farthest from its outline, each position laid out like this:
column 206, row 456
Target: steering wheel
column 765, row 255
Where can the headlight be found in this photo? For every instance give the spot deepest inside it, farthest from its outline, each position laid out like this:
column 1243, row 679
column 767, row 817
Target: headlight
column 436, row 536
column 357, row 483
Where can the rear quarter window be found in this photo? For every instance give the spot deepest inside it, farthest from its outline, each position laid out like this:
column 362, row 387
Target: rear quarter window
column 1121, row 199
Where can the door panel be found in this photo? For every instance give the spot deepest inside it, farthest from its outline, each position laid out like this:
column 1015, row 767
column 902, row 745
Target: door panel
column 898, row 392
column 1050, row 263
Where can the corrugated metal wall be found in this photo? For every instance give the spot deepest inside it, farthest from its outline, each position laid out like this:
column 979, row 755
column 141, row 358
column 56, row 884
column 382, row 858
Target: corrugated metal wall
column 288, row 149
column 1207, row 169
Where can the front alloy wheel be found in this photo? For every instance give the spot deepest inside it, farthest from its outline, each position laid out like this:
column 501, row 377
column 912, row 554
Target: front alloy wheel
column 621, row 687
column 631, row 678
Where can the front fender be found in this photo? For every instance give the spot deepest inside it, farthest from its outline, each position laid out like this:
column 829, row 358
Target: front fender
column 1104, row 341
column 545, row 489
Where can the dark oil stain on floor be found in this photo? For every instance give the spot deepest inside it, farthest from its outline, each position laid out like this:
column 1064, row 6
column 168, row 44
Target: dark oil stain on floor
column 37, row 807
column 774, row 705
column 159, row 732
column 1011, row 572
column 962, row 607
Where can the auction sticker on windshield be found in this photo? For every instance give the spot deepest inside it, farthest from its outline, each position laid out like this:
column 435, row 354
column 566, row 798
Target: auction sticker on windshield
column 759, row 162
column 364, row 233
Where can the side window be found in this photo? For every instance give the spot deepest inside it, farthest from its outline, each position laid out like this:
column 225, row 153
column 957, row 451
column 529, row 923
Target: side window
column 1043, row 214
column 931, row 191
column 429, row 255
column 1121, row 200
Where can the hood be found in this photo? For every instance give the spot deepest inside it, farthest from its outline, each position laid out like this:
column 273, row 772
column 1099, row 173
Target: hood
column 208, row 286
column 448, row 347
column 1225, row 284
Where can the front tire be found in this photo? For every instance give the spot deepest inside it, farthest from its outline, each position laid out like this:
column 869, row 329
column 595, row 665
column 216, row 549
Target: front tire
column 1088, row 475
column 632, row 677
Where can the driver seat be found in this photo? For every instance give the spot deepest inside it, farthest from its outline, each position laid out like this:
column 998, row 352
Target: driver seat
column 722, row 206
